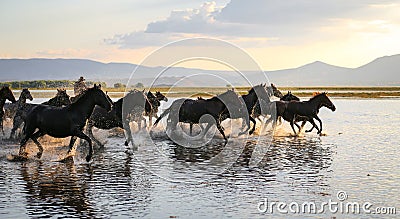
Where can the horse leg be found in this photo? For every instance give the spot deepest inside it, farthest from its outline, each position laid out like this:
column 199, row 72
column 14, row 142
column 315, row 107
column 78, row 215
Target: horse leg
column 144, row 121
column 71, row 144
column 314, row 125
column 312, row 128
column 17, row 121
column 89, row 130
column 128, row 133
column 34, row 138
column 150, row 120
column 82, row 135
column 292, row 125
column 191, row 128
column 221, row 130
column 320, row 124
column 22, row 146
column 303, row 123
column 254, row 125
column 279, row 120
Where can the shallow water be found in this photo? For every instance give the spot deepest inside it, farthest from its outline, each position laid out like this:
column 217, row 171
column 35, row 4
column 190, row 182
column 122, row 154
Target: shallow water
column 358, row 155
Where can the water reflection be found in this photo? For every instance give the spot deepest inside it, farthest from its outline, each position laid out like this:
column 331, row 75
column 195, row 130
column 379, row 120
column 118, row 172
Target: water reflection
column 55, row 188
column 361, row 161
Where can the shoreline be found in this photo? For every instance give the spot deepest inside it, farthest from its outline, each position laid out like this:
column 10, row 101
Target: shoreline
column 336, row 92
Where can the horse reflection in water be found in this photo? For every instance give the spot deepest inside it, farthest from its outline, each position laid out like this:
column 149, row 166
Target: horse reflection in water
column 57, row 185
column 300, row 160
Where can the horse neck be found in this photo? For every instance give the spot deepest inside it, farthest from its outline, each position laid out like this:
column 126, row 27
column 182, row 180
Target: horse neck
column 250, row 100
column 316, row 102
column 117, row 107
column 84, row 105
column 22, row 99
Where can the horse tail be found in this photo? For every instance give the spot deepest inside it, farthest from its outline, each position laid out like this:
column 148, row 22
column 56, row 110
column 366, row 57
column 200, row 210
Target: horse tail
column 162, row 116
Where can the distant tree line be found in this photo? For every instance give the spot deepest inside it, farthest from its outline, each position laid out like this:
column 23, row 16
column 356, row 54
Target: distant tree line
column 46, row 84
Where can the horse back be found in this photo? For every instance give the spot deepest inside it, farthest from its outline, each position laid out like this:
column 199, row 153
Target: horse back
column 301, row 108
column 51, row 120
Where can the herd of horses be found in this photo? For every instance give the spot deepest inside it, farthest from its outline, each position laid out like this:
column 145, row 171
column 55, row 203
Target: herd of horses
column 63, row 116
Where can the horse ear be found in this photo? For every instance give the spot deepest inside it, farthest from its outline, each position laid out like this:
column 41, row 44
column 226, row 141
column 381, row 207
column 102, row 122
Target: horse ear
column 99, row 86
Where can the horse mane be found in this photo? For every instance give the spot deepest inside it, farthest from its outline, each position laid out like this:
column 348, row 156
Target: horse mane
column 317, row 94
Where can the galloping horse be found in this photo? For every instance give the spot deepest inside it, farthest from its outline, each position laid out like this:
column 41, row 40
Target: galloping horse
column 61, row 99
column 190, row 111
column 250, row 99
column 307, row 111
column 102, row 119
column 61, row 122
column 5, row 94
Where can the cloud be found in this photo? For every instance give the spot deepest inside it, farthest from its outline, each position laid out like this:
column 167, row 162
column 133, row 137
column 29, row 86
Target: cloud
column 267, row 22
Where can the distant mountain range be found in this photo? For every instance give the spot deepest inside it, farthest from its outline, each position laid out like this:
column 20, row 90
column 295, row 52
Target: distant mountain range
column 384, row 71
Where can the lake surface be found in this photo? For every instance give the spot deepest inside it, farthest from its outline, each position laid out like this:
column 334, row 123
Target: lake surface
column 359, row 155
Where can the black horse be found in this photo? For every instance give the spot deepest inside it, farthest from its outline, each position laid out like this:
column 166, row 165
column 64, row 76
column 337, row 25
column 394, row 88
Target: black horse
column 5, row 94
column 61, row 122
column 11, row 108
column 307, row 111
column 117, row 117
column 250, row 99
column 257, row 109
column 191, row 111
column 61, row 99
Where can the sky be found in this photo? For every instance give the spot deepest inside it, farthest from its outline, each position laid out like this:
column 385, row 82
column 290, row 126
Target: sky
column 276, row 34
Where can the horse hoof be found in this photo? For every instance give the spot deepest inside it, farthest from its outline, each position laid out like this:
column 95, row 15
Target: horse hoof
column 251, row 132
column 126, row 143
column 307, row 131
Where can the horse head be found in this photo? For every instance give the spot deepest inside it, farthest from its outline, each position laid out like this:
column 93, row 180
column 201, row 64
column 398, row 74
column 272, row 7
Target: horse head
column 7, row 94
column 62, row 97
column 325, row 101
column 161, row 97
column 289, row 97
column 99, row 97
column 26, row 94
column 276, row 92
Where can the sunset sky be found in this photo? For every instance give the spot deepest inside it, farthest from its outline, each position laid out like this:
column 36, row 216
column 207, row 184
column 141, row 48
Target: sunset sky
column 277, row 34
